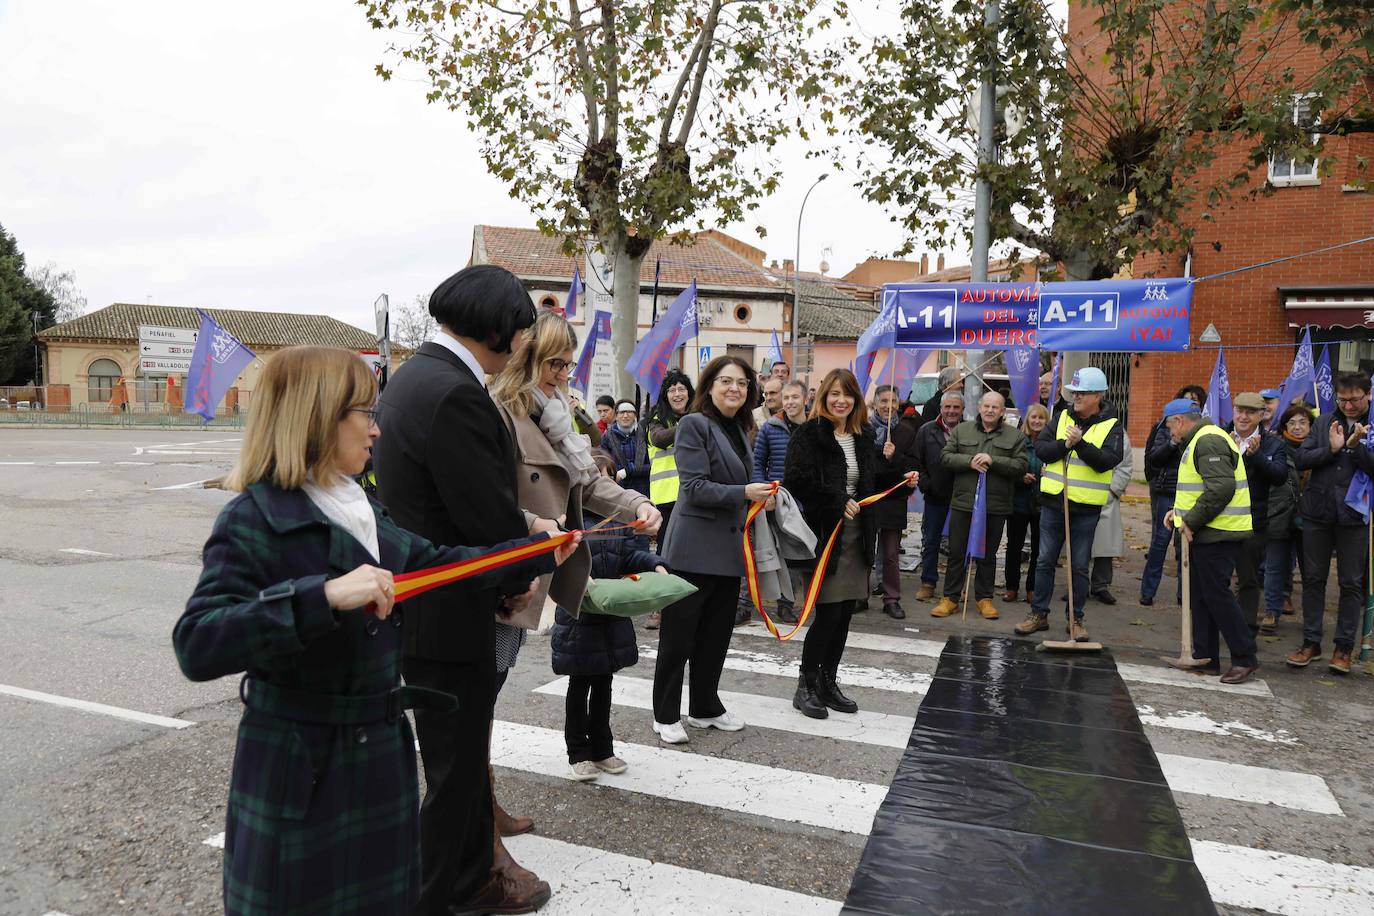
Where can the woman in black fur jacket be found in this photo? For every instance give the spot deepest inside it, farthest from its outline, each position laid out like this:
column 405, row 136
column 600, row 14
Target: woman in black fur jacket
column 831, row 462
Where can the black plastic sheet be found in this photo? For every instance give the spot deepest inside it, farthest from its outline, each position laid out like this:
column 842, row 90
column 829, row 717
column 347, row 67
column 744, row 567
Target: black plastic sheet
column 1028, row 786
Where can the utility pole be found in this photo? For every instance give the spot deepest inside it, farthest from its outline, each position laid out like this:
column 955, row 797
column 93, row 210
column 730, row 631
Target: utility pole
column 982, row 206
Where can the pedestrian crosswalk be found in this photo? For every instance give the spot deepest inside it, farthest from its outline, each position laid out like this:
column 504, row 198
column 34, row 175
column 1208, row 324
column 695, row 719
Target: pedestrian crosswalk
column 1219, row 750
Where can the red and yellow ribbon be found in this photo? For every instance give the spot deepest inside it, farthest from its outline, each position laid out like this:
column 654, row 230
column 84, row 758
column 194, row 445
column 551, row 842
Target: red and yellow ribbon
column 813, row 589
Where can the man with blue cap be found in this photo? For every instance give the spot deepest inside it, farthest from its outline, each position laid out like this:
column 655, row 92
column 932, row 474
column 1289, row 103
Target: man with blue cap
column 1080, row 446
column 1212, row 511
column 1271, row 404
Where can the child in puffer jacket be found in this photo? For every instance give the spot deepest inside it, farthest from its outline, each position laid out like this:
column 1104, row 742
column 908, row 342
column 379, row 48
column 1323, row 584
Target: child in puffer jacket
column 590, row 648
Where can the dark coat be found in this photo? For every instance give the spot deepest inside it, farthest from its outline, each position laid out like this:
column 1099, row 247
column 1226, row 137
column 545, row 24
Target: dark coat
column 1323, row 501
column 1051, row 448
column 937, row 481
column 770, row 450
column 1026, row 498
column 631, row 453
column 890, row 511
column 706, row 530
column 815, row 474
column 446, row 470
column 1161, row 461
column 601, row 643
column 299, row 788
column 1216, row 463
column 1265, row 470
column 1283, row 499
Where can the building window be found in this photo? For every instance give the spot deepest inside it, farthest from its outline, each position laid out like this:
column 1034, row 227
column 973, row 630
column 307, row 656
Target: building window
column 100, row 380
column 742, row 313
column 549, row 302
column 150, row 389
column 1289, row 171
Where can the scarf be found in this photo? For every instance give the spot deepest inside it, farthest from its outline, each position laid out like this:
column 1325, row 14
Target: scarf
column 1296, row 440
column 574, row 449
column 345, row 504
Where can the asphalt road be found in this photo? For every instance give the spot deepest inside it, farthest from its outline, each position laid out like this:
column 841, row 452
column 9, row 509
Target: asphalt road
column 116, row 807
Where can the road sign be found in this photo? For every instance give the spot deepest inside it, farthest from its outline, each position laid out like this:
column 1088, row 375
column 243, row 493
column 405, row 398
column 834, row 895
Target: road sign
column 155, row 365
column 148, row 349
column 148, row 333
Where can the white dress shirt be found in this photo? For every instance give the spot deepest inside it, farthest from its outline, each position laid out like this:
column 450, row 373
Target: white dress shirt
column 451, row 343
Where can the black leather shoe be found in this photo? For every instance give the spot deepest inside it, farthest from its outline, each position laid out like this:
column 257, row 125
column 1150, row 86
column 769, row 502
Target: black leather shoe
column 828, row 692
column 1238, row 675
column 894, row 610
column 805, row 700
column 1146, row 602
column 1103, row 595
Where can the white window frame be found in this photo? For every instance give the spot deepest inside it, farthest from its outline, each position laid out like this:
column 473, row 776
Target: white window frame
column 1293, row 178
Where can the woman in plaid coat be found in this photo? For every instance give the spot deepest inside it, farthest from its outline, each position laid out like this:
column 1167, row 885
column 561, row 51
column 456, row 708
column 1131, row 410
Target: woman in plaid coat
column 297, row 592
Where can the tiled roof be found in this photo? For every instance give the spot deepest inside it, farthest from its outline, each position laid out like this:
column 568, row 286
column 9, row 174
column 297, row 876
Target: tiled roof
column 530, row 253
column 831, row 311
column 256, row 329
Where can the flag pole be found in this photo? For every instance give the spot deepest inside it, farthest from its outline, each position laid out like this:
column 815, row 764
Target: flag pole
column 893, row 375
column 653, row 320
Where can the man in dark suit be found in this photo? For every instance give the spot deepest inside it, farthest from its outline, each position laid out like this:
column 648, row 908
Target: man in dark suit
column 446, row 470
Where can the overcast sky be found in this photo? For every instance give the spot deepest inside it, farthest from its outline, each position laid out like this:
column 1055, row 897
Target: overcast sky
column 245, row 156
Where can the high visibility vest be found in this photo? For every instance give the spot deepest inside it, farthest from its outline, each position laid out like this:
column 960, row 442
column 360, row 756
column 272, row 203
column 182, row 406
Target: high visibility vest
column 1086, row 486
column 662, row 475
column 1236, row 515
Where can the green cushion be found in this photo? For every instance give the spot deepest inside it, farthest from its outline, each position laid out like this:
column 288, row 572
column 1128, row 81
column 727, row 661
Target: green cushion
column 651, row 591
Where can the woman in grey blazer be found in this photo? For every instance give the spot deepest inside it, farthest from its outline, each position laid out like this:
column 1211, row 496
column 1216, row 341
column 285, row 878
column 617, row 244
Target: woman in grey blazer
column 702, row 544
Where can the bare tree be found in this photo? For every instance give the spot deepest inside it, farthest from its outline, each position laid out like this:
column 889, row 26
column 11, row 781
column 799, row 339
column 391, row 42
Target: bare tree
column 61, row 286
column 412, row 324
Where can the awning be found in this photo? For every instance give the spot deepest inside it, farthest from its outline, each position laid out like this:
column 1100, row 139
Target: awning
column 1348, row 306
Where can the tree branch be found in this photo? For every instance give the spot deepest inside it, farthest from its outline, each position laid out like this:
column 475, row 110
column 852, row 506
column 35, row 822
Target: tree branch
column 708, row 33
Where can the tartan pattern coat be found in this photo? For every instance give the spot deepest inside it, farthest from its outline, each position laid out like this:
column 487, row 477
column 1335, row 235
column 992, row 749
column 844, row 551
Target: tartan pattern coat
column 322, row 818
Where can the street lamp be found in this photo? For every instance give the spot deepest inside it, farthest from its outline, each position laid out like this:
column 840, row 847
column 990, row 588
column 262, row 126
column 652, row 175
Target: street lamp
column 796, row 270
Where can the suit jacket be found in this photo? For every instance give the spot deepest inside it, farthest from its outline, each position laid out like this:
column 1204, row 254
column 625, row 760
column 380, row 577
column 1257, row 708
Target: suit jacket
column 546, row 491
column 707, row 524
column 446, row 470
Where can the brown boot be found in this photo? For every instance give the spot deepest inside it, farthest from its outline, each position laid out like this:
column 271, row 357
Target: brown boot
column 506, row 824
column 1303, row 656
column 945, row 608
column 925, row 592
column 1033, row 623
column 987, row 609
column 1340, row 661
column 505, row 893
column 502, row 861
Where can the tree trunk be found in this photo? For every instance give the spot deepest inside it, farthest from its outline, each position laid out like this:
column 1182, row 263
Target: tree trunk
column 1078, row 266
column 625, row 315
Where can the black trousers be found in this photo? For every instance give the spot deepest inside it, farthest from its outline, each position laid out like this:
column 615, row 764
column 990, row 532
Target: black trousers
column 985, row 575
column 665, row 510
column 1348, row 543
column 1215, row 610
column 826, row 637
column 455, row 817
column 1017, row 528
column 694, row 630
column 1250, row 577
column 587, row 718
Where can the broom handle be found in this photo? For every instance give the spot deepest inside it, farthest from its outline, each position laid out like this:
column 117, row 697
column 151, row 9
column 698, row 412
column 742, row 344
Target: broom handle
column 1187, row 629
column 1067, row 543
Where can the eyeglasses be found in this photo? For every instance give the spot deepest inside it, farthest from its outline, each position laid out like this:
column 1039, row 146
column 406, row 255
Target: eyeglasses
column 370, row 411
column 558, row 365
column 740, row 383
column 1352, row 400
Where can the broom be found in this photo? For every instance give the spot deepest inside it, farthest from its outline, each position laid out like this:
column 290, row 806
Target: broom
column 1185, row 660
column 1068, row 645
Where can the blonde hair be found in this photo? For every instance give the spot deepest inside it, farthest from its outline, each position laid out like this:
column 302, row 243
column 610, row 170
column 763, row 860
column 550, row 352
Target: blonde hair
column 1032, row 411
column 857, row 421
column 548, row 338
column 293, row 427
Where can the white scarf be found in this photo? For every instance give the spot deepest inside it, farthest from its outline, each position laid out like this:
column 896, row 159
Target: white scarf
column 345, row 504
column 574, row 449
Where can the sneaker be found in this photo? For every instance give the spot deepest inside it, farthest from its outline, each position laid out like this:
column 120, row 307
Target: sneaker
column 987, row 609
column 613, row 765
column 1033, row 623
column 1340, row 661
column 653, row 620
column 726, row 722
column 585, row 771
column 1269, row 624
column 945, row 608
column 672, row 733
column 925, row 592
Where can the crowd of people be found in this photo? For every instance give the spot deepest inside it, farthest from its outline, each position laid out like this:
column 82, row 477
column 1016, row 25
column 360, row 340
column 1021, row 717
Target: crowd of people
column 478, row 441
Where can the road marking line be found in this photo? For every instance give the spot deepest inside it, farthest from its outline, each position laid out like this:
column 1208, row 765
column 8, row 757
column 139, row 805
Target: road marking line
column 1191, row 721
column 142, row 464
column 1279, row 882
column 714, row 782
column 184, row 486
column 69, row 463
column 87, row 706
column 1139, row 674
column 12, row 463
column 589, row 880
column 1191, row 775
column 85, row 553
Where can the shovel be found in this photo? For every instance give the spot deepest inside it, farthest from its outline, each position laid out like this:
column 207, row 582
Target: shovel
column 1185, row 660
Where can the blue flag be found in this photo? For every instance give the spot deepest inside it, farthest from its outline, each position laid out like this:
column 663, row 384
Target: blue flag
column 978, row 527
column 582, row 373
column 219, row 359
column 863, row 370
column 774, row 350
column 1054, row 380
column 1218, row 405
column 1326, row 383
column 882, row 332
column 1023, row 369
column 1301, row 378
column 649, row 362
column 1360, row 494
column 574, row 290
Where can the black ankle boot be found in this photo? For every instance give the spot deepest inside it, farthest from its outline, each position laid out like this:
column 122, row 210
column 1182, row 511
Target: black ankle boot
column 828, row 692
column 805, row 700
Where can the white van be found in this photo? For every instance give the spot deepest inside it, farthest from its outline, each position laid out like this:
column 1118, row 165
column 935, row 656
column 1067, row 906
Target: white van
column 924, row 386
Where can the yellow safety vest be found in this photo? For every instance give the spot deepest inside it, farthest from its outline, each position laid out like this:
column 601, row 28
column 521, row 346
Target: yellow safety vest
column 1236, row 515
column 1086, row 486
column 662, row 475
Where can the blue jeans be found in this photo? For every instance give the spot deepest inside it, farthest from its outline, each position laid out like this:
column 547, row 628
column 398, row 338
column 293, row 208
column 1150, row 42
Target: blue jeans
column 1278, row 574
column 1160, row 537
column 1082, row 527
column 932, row 529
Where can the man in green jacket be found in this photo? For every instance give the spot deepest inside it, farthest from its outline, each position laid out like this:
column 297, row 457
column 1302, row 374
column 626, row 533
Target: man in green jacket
column 984, row 445
column 1212, row 510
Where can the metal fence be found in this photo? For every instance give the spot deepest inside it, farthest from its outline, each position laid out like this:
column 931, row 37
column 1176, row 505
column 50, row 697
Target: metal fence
column 28, row 406
column 1117, row 368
